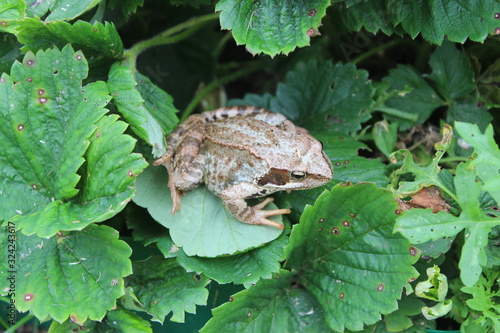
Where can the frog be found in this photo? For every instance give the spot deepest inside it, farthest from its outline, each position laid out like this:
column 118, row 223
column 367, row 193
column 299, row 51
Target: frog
column 240, row 153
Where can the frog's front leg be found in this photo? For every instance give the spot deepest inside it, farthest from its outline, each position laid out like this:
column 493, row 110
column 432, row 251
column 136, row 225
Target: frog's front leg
column 233, row 200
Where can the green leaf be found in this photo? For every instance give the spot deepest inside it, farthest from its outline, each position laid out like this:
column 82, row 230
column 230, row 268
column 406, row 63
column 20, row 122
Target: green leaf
column 141, row 115
column 367, row 14
column 348, row 165
column 128, row 6
column 58, row 276
column 416, row 95
column 202, row 227
column 145, row 229
column 162, row 286
column 451, row 72
column 322, row 97
column 275, row 305
column 121, row 320
column 435, row 287
column 241, row 268
column 272, row 27
column 106, row 189
column 325, row 97
column 405, row 316
column 8, row 259
column 11, row 12
column 489, row 85
column 484, row 299
column 440, row 18
column 424, row 176
column 385, row 136
column 158, row 103
column 469, row 111
column 116, row 321
column 435, row 248
column 61, row 9
column 47, row 123
column 421, row 225
column 347, row 256
column 9, row 52
column 487, row 160
column 453, row 77
column 438, row 310
column 99, row 42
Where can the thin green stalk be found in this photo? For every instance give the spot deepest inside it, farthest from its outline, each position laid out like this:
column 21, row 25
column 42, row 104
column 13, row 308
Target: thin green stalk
column 169, row 36
column 453, row 159
column 249, row 68
column 19, row 323
column 99, row 14
column 3, row 323
column 377, row 50
column 397, row 113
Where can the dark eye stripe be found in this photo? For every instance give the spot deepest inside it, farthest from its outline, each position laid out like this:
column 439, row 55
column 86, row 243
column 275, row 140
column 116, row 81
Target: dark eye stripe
column 275, row 176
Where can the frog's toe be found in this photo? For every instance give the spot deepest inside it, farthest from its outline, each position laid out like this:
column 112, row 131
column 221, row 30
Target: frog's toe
column 260, row 217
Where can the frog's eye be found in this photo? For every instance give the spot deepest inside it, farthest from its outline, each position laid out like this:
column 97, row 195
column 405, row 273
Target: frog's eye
column 298, row 174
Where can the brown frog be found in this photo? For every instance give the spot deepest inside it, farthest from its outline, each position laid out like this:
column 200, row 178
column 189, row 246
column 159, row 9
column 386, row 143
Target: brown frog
column 243, row 152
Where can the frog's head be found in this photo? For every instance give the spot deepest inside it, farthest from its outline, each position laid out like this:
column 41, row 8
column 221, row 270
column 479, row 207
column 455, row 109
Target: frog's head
column 307, row 167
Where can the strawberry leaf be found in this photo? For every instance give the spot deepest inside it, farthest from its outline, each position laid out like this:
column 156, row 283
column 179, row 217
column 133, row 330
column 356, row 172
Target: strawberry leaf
column 58, row 276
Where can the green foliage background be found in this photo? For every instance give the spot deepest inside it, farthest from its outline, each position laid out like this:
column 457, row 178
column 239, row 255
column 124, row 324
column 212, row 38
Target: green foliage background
column 404, row 95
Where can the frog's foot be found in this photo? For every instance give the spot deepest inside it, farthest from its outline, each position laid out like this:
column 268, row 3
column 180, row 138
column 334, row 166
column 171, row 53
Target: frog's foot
column 260, row 216
column 254, row 215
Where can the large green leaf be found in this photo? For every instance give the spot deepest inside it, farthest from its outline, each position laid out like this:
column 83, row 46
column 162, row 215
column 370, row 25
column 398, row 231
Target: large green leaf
column 273, row 26
column 435, row 19
column 348, row 257
column 487, row 161
column 58, row 276
column 158, row 103
column 50, row 127
column 359, row 14
column 97, row 41
column 116, row 321
column 276, row 305
column 451, row 72
column 241, row 268
column 453, row 78
column 348, row 165
column 162, row 286
column 60, row 9
column 202, row 227
column 419, row 225
column 424, row 176
column 325, row 97
column 142, row 116
column 321, row 97
column 416, row 96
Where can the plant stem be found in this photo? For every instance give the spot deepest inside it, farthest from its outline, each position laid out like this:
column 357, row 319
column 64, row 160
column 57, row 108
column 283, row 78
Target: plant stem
column 21, row 322
column 453, row 159
column 249, row 68
column 169, row 36
column 99, row 14
column 397, row 113
column 376, row 50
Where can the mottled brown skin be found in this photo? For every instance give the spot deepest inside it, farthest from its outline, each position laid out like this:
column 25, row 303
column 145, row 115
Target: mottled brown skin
column 242, row 153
